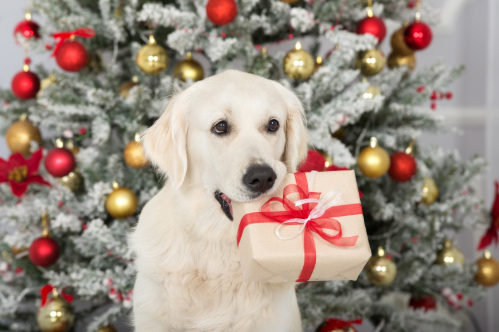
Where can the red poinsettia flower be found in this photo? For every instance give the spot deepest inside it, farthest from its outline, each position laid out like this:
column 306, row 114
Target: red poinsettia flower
column 20, row 172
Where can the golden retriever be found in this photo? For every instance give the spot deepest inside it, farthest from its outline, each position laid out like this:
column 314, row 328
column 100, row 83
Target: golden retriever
column 232, row 136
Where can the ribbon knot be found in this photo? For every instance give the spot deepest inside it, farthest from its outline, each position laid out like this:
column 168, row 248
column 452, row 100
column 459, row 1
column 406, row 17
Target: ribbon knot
column 65, row 35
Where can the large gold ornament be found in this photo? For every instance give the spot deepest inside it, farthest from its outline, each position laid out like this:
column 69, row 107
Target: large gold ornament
column 55, row 316
column 188, row 69
column 397, row 60
column 298, row 64
column 125, row 87
column 488, row 270
column 20, row 135
column 380, row 270
column 449, row 254
column 73, row 181
column 134, row 154
column 107, row 328
column 398, row 44
column 121, row 202
column 373, row 161
column 152, row 58
column 370, row 62
column 371, row 92
column 430, row 191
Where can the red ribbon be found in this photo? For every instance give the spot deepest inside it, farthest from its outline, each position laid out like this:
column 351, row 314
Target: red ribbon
column 47, row 289
column 63, row 36
column 332, row 324
column 318, row 225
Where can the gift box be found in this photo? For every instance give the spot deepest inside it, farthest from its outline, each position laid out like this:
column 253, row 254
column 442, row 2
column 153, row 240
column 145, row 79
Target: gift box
column 310, row 228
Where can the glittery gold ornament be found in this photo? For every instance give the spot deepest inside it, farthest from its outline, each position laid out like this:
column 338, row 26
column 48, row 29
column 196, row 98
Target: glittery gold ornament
column 121, row 202
column 188, row 69
column 73, row 181
column 125, row 87
column 134, row 154
column 430, row 191
column 20, row 135
column 449, row 254
column 298, row 64
column 55, row 316
column 396, row 60
column 398, row 44
column 370, row 62
column 373, row 161
column 380, row 270
column 371, row 92
column 152, row 58
column 488, row 270
column 107, row 328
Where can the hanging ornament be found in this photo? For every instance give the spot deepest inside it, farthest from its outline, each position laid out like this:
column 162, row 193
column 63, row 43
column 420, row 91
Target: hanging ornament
column 125, row 87
column 69, row 53
column 396, row 60
column 55, row 314
column 373, row 161
column 338, row 325
column 402, row 165
column 449, row 254
column 25, row 84
column 298, row 64
column 134, row 154
column 427, row 302
column 370, row 62
column 21, row 135
column 372, row 25
column 371, row 92
column 107, row 328
column 398, row 43
column 28, row 29
column 491, row 235
column 380, row 270
column 44, row 251
column 418, row 35
column 73, row 181
column 488, row 270
column 152, row 58
column 221, row 12
column 265, row 66
column 430, row 191
column 121, row 202
column 188, row 69
column 59, row 161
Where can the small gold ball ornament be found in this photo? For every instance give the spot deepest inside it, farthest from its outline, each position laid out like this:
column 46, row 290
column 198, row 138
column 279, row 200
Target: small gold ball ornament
column 370, row 62
column 134, row 154
column 55, row 316
column 152, row 58
column 125, row 87
column 188, row 69
column 107, row 328
column 488, row 270
column 298, row 64
column 73, row 181
column 449, row 254
column 430, row 191
column 121, row 202
column 373, row 161
column 371, row 92
column 20, row 135
column 380, row 270
column 398, row 44
column 397, row 60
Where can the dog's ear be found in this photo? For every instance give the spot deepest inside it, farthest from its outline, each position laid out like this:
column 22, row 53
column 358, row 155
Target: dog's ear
column 165, row 142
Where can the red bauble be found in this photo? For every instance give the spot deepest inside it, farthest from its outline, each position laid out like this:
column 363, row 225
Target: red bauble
column 28, row 29
column 221, row 12
column 25, row 85
column 418, row 35
column 427, row 302
column 374, row 26
column 71, row 56
column 402, row 167
column 44, row 251
column 60, row 162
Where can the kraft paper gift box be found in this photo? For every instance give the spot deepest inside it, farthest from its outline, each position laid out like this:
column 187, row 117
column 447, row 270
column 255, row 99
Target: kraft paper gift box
column 281, row 241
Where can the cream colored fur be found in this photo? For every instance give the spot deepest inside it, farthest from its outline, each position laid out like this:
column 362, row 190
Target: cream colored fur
column 189, row 276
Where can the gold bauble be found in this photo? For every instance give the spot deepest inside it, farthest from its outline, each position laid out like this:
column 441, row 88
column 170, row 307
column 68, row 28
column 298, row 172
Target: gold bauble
column 188, row 69
column 380, row 270
column 370, row 62
column 430, row 191
column 449, row 254
column 397, row 60
column 152, row 58
column 488, row 270
column 373, row 161
column 125, row 87
column 134, row 153
column 298, row 64
column 20, row 135
column 371, row 92
column 398, row 43
column 73, row 181
column 108, row 328
column 121, row 202
column 55, row 316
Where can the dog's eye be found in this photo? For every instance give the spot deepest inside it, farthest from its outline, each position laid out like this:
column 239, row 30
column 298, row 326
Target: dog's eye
column 220, row 128
column 273, row 125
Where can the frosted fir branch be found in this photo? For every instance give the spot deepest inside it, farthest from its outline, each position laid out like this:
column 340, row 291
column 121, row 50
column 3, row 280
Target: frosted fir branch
column 302, row 20
column 167, row 16
column 110, row 315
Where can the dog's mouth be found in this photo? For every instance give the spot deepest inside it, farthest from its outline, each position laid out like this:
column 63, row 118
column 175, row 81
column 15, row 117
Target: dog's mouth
column 225, row 204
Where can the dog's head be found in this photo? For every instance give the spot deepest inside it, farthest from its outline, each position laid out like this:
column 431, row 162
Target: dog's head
column 234, row 134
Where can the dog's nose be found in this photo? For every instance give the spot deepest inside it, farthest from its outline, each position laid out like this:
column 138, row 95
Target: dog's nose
column 259, row 178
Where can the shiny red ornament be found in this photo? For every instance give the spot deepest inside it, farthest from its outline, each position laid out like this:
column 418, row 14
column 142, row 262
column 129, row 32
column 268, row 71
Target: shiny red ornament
column 402, row 167
column 221, row 12
column 427, row 302
column 71, row 56
column 60, row 162
column 418, row 35
column 492, row 233
column 44, row 251
column 28, row 29
column 333, row 324
column 25, row 85
column 374, row 26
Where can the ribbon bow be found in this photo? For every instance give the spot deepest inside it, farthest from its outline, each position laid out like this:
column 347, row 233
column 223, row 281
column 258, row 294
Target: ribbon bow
column 47, row 289
column 63, row 36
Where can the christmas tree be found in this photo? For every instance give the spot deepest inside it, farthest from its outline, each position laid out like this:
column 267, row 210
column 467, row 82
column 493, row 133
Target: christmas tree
column 77, row 177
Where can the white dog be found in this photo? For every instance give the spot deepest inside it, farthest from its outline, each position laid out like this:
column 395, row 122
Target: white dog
column 232, row 136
